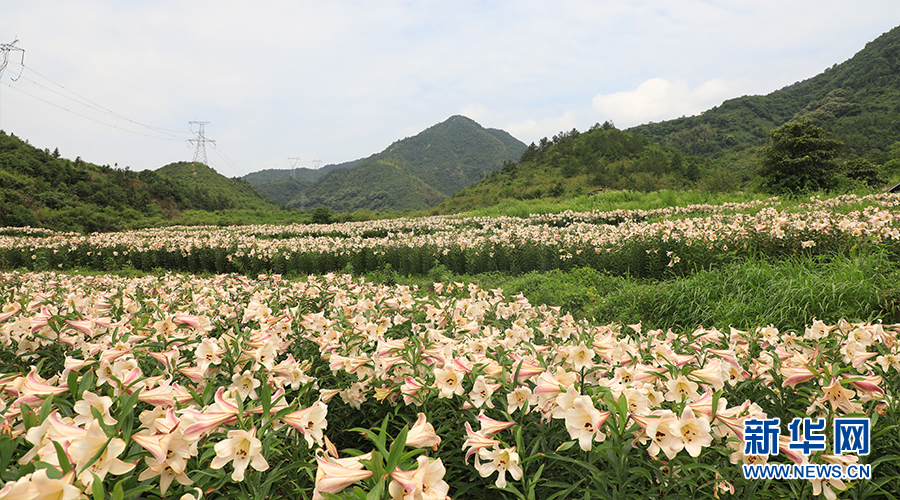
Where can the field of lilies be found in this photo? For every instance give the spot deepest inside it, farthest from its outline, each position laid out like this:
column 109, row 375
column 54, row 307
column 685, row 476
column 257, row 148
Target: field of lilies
column 278, row 371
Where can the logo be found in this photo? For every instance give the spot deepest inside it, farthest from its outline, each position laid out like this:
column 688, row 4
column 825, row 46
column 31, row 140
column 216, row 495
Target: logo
column 850, row 435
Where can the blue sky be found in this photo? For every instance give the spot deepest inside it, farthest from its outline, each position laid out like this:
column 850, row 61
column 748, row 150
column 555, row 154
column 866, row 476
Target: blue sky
column 116, row 82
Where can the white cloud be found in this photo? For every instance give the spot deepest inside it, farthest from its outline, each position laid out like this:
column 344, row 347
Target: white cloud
column 660, row 99
column 532, row 130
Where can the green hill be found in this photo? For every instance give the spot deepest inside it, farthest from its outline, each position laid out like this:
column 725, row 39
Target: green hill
column 856, row 102
column 576, row 163
column 283, row 185
column 414, row 173
column 219, row 191
column 302, row 173
column 42, row 189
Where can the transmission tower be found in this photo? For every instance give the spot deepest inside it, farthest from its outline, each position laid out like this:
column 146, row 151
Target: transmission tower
column 200, row 141
column 303, row 201
column 293, row 161
column 5, row 49
column 316, row 164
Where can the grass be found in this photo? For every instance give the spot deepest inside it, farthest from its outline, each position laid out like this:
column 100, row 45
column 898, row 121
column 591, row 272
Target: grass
column 788, row 294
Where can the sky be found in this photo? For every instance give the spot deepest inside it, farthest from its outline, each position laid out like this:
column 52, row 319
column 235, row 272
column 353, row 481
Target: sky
column 303, row 83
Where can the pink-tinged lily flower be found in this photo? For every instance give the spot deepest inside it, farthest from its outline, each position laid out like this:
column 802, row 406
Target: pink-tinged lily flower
column 703, row 405
column 310, row 422
column 168, row 422
column 40, row 319
column 526, row 368
column 242, row 448
column 583, row 422
column 476, row 441
column 333, row 477
column 712, row 374
column 694, row 431
column 726, row 355
column 836, row 395
column 83, row 326
column 448, row 382
column 866, row 385
column 422, row 434
column 195, row 373
column 491, row 426
column 426, row 482
column 152, row 443
column 190, row 320
column 85, row 447
column 8, row 314
column 794, row 455
column 794, row 375
column 161, row 395
column 502, row 460
column 34, row 386
column 207, row 422
column 410, row 389
column 167, row 358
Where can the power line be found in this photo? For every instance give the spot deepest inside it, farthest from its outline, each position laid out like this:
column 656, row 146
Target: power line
column 84, row 101
column 88, row 117
column 217, row 150
column 5, row 49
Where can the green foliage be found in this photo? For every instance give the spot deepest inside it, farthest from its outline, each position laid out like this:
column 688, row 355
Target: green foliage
column 856, row 102
column 210, row 190
column 573, row 163
column 41, row 189
column 411, row 174
column 862, row 170
column 801, row 159
column 321, row 215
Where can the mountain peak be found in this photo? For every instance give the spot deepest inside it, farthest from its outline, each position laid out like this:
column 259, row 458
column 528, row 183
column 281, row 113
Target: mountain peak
column 413, row 173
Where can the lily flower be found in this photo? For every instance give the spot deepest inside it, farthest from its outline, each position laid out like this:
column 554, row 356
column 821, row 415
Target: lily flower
column 243, row 449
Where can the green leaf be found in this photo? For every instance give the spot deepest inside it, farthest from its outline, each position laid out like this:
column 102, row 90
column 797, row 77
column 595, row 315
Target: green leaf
column 117, row 492
column 62, row 457
column 97, row 490
column 565, row 446
column 86, row 384
column 393, row 458
column 72, row 383
column 46, row 408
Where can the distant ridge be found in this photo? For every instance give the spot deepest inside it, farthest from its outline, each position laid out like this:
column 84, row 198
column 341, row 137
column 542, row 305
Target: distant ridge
column 411, row 174
column 857, row 102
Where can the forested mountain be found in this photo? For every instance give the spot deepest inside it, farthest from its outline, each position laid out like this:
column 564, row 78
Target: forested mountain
column 301, row 173
column 413, row 173
column 856, row 102
column 42, row 189
column 283, row 185
column 227, row 192
column 575, row 163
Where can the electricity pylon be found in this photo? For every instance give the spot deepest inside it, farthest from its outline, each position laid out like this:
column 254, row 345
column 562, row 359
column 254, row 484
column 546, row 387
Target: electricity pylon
column 5, row 49
column 293, row 161
column 200, row 141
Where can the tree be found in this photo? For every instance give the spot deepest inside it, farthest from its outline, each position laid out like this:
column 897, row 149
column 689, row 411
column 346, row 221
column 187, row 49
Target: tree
column 800, row 159
column 321, row 215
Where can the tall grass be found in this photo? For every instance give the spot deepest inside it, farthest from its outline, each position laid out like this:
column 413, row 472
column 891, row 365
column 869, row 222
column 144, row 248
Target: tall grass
column 788, row 294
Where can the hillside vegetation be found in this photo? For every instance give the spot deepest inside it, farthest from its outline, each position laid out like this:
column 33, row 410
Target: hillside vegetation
column 856, row 102
column 41, row 189
column 283, row 185
column 411, row 174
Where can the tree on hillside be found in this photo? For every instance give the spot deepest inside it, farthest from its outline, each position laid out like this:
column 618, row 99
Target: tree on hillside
column 800, row 159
